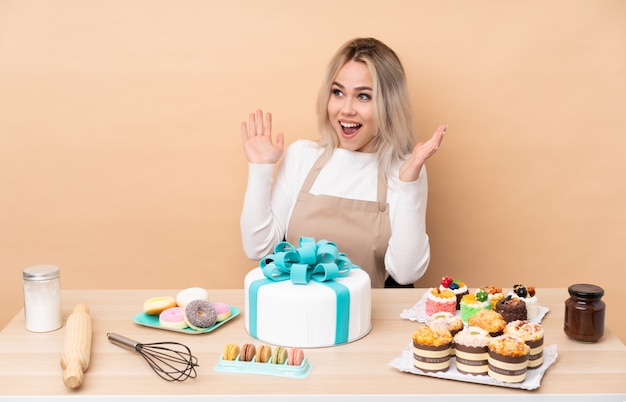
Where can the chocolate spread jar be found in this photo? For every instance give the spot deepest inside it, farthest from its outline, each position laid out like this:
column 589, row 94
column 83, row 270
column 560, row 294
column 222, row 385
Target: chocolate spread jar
column 584, row 313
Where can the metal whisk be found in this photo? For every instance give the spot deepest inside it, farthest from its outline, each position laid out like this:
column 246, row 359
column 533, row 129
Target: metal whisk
column 172, row 361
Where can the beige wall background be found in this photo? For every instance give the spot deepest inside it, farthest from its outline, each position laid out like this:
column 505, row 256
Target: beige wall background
column 120, row 154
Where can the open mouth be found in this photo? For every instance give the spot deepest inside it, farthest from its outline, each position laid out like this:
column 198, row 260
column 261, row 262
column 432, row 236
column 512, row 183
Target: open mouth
column 349, row 128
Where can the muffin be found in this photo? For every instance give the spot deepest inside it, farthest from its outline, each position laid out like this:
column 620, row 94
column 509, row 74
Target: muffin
column 512, row 309
column 471, row 351
column 488, row 320
column 507, row 359
column 431, row 349
column 532, row 335
column 438, row 300
column 448, row 321
column 471, row 304
column 457, row 287
column 445, row 320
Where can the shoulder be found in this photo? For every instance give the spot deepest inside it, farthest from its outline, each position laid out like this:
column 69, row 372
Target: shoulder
column 302, row 151
column 304, row 147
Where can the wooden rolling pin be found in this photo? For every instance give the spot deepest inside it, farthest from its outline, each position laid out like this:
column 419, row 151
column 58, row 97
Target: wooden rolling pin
column 76, row 346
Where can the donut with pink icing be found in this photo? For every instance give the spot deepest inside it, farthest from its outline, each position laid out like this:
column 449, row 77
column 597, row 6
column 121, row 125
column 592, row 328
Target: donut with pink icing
column 173, row 317
column 222, row 310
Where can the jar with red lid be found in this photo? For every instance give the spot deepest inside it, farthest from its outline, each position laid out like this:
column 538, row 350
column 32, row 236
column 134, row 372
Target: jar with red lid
column 584, row 313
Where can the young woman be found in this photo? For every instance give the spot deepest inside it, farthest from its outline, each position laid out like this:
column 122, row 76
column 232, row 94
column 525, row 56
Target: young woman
column 363, row 185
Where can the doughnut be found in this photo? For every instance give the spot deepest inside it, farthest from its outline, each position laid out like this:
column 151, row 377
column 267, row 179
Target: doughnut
column 280, row 355
column 190, row 294
column 155, row 305
column 248, row 351
column 222, row 310
column 200, row 314
column 173, row 317
column 231, row 350
column 296, row 355
column 264, row 353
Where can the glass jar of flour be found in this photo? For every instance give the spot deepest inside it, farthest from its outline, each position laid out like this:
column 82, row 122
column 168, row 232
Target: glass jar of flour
column 42, row 298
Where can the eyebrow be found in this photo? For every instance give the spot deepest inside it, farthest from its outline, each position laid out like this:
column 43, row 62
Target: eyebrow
column 361, row 88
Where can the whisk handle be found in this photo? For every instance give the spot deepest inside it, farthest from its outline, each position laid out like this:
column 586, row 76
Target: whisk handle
column 120, row 340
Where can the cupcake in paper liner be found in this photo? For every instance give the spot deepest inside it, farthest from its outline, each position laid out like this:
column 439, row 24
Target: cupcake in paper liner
column 447, row 321
column 472, row 351
column 507, row 359
column 532, row 335
column 432, row 349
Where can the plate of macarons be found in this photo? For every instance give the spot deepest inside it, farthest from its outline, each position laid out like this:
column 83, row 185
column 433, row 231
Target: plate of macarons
column 190, row 312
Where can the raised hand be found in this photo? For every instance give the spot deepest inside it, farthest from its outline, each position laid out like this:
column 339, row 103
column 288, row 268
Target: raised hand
column 410, row 169
column 257, row 142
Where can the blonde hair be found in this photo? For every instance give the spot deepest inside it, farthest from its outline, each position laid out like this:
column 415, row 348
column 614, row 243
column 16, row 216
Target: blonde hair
column 394, row 140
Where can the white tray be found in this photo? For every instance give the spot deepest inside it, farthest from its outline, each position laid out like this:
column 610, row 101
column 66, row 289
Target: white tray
column 533, row 377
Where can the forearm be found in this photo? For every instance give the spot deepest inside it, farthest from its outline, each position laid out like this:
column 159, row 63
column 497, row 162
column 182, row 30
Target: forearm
column 408, row 254
column 260, row 231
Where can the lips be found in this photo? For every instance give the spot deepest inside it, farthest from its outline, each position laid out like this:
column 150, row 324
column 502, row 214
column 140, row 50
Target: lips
column 349, row 128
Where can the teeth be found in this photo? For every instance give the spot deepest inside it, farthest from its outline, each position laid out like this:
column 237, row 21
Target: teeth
column 349, row 125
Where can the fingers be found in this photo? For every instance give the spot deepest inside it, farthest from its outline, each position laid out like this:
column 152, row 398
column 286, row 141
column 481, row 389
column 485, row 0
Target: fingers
column 256, row 124
column 268, row 124
column 437, row 137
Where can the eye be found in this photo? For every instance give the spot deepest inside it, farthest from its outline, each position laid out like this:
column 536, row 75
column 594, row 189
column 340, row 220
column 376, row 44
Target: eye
column 364, row 97
column 336, row 92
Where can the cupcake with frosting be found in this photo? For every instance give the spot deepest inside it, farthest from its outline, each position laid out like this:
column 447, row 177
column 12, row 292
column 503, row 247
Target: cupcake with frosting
column 457, row 287
column 527, row 294
column 438, row 300
column 472, row 351
column 512, row 308
column 471, row 304
column 494, row 294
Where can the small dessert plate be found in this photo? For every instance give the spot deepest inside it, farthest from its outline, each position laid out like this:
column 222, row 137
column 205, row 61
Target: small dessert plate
column 153, row 322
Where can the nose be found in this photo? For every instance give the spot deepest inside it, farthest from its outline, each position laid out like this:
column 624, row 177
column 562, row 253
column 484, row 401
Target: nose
column 347, row 107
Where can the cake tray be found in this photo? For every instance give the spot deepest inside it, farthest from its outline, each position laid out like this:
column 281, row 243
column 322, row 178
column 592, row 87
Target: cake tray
column 533, row 376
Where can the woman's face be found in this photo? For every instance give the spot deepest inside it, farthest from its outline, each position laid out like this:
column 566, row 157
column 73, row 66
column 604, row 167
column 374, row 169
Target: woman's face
column 350, row 107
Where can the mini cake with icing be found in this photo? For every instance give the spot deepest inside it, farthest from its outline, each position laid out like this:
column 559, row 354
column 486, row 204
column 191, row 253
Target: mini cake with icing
column 532, row 335
column 471, row 304
column 431, row 349
column 527, row 294
column 508, row 359
column 494, row 294
column 512, row 309
column 457, row 287
column 471, row 350
column 488, row 320
column 438, row 300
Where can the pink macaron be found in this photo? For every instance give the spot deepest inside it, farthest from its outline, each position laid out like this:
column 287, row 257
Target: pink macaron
column 173, row 317
column 222, row 310
column 296, row 356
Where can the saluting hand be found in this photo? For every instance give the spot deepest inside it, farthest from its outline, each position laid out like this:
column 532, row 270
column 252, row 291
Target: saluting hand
column 410, row 169
column 257, row 141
